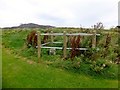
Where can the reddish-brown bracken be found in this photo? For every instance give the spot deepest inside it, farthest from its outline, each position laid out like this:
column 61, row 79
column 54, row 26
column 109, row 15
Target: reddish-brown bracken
column 75, row 43
column 32, row 39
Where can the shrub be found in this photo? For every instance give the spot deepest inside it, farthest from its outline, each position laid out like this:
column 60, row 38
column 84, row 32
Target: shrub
column 100, row 65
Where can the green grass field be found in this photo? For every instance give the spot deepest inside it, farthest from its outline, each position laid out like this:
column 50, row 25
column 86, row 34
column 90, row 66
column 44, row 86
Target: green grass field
column 21, row 70
column 19, row 73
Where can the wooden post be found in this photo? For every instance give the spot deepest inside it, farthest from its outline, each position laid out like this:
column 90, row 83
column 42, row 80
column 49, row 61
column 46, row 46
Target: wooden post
column 52, row 36
column 94, row 39
column 39, row 45
column 69, row 38
column 64, row 45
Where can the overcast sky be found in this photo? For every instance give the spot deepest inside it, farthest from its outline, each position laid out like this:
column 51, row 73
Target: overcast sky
column 71, row 13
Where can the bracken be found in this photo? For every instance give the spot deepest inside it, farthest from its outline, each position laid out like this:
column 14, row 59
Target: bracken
column 75, row 43
column 32, row 39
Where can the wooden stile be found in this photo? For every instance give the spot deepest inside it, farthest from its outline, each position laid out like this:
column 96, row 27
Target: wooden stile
column 64, row 34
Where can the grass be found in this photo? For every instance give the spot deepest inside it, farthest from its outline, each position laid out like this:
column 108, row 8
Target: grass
column 21, row 70
column 18, row 73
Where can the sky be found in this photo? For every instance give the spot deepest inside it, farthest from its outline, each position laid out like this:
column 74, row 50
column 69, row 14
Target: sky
column 60, row 13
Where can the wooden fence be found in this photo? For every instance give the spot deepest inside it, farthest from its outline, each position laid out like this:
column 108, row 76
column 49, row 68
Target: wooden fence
column 64, row 34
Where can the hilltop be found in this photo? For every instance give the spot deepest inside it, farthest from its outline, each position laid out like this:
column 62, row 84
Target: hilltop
column 30, row 25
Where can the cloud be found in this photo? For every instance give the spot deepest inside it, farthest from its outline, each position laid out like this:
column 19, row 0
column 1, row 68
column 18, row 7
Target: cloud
column 58, row 12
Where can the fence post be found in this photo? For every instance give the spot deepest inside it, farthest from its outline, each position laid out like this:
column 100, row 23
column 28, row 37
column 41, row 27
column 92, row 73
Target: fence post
column 39, row 45
column 64, row 44
column 94, row 39
column 52, row 36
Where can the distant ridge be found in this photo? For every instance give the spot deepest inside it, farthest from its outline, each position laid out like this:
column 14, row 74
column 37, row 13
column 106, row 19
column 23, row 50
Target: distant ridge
column 31, row 25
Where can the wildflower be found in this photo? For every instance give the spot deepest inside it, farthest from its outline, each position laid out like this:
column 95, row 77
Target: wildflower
column 104, row 65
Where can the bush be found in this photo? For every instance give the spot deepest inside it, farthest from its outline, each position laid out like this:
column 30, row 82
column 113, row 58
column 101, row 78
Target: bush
column 100, row 65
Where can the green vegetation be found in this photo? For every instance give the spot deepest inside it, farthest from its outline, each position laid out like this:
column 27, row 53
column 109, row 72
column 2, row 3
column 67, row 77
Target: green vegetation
column 92, row 69
column 19, row 73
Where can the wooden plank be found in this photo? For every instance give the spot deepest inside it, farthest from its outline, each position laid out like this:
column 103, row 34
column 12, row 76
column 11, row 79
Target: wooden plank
column 60, row 48
column 81, row 34
column 68, row 34
column 64, row 45
column 50, row 42
column 45, row 47
column 45, row 43
column 57, row 34
column 39, row 45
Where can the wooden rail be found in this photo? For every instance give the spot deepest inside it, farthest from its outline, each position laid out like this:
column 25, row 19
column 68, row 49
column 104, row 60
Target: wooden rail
column 50, row 42
column 68, row 34
column 62, row 48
